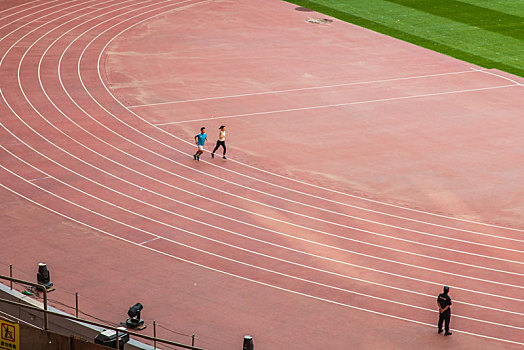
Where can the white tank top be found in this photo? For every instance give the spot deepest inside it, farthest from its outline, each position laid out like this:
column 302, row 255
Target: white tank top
column 222, row 136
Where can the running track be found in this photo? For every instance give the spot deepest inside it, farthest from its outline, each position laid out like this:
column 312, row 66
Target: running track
column 288, row 244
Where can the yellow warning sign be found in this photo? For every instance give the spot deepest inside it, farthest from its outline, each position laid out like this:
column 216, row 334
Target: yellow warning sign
column 9, row 336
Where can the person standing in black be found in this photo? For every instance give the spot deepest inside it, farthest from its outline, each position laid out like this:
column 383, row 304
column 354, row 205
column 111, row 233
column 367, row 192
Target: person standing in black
column 444, row 308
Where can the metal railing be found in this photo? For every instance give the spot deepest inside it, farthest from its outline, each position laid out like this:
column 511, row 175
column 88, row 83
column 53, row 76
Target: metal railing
column 46, row 312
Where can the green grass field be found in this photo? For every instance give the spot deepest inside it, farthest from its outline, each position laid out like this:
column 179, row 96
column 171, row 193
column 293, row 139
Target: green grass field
column 489, row 33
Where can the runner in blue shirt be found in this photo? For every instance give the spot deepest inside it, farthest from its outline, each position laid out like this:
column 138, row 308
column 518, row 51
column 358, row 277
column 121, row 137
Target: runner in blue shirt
column 200, row 140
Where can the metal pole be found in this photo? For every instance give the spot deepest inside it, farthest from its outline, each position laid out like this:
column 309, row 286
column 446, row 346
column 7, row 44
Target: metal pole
column 45, row 308
column 193, row 340
column 11, row 276
column 117, row 340
column 154, row 334
column 76, row 304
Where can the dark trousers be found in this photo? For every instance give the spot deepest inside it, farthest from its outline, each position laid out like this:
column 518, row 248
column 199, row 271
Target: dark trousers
column 220, row 143
column 444, row 317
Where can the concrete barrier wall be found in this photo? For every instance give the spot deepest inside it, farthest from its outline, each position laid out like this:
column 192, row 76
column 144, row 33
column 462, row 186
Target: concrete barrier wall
column 38, row 339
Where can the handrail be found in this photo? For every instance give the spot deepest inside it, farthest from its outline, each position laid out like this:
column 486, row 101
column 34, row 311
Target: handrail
column 46, row 312
column 36, row 285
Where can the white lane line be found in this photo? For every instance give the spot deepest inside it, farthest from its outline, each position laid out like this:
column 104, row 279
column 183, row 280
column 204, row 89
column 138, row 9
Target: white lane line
column 85, row 88
column 290, row 223
column 170, row 147
column 333, row 247
column 260, row 203
column 20, row 5
column 489, row 257
column 114, row 177
column 229, row 231
column 414, row 210
column 252, row 251
column 278, row 175
column 249, row 279
column 32, row 13
column 22, row 10
column 197, row 221
column 248, row 264
column 291, row 179
column 213, row 226
column 300, row 226
column 60, row 6
column 376, row 222
column 33, row 130
column 300, row 89
column 497, row 75
column 338, row 105
column 287, row 178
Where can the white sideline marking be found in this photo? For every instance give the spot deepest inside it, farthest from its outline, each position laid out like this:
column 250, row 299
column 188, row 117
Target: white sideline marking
column 298, row 89
column 339, row 104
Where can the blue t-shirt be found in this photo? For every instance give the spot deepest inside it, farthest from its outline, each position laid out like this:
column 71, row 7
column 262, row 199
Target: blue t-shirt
column 201, row 139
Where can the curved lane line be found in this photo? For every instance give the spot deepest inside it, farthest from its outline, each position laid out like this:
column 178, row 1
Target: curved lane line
column 212, row 226
column 146, row 135
column 485, row 71
column 322, row 198
column 251, row 280
column 305, row 183
column 335, row 235
column 251, row 265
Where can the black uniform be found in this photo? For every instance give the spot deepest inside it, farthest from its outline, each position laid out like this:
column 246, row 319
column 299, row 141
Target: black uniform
column 444, row 300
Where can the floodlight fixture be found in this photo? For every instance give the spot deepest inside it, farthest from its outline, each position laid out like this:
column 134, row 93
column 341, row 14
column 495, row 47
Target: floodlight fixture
column 43, row 276
column 134, row 320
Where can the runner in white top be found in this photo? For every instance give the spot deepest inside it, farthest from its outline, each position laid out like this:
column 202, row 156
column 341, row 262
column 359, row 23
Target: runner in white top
column 221, row 142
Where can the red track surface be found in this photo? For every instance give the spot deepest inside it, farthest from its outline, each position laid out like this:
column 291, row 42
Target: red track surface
column 364, row 173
